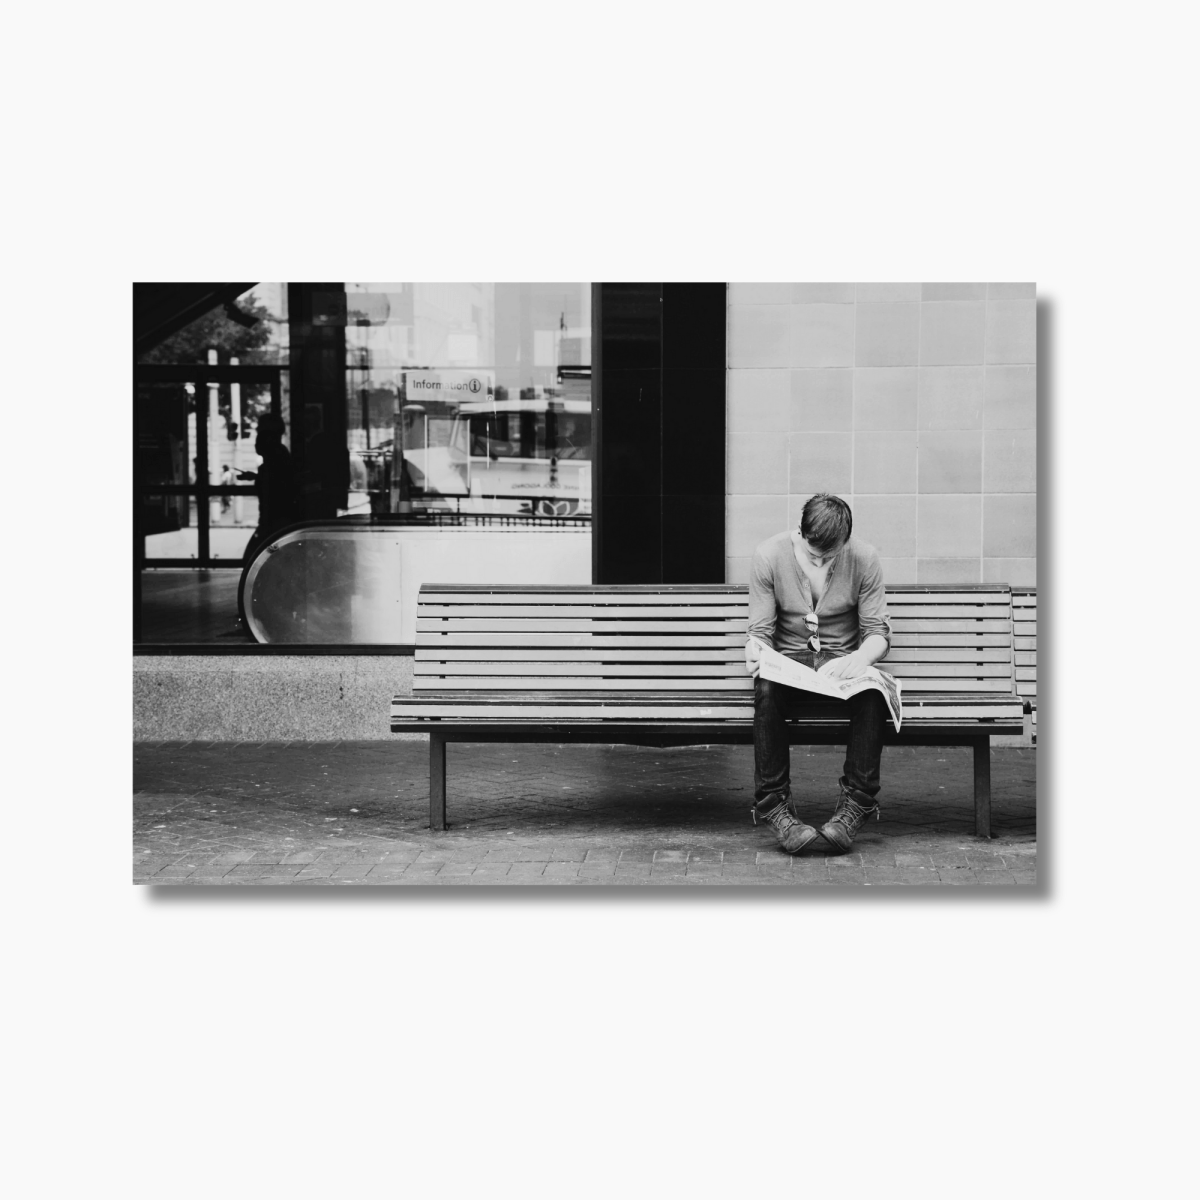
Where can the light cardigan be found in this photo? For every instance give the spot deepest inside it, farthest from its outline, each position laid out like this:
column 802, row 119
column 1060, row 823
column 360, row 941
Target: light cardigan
column 851, row 609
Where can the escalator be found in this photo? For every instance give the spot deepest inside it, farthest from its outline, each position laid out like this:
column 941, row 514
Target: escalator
column 354, row 581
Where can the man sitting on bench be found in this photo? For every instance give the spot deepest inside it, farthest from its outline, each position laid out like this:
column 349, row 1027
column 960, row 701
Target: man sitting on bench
column 817, row 596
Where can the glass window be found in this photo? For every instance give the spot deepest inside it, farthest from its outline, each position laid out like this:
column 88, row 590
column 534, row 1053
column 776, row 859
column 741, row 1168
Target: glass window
column 467, row 401
column 468, row 447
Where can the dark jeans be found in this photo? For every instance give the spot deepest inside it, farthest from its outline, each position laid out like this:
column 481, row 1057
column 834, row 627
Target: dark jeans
column 773, row 703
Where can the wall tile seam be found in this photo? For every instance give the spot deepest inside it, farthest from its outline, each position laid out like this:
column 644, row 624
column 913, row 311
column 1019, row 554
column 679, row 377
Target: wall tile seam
column 917, row 482
column 854, row 409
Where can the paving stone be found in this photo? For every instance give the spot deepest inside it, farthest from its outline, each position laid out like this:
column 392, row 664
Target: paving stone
column 908, row 876
column 779, row 863
column 1022, row 862
column 987, row 862
column 737, row 858
column 742, row 871
column 808, row 869
column 520, row 870
column 153, row 865
column 949, row 858
column 565, row 852
column 457, row 868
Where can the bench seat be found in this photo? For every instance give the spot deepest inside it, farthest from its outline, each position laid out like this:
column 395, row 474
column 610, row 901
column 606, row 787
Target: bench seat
column 649, row 665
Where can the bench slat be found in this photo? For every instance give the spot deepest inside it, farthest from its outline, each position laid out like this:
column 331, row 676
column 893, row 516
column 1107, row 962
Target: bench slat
column 677, row 594
column 905, row 625
column 733, row 652
column 517, row 669
column 518, row 595
column 905, row 670
column 687, row 611
column 733, row 657
column 500, row 712
column 509, row 669
column 1003, row 684
column 665, row 671
column 533, row 695
column 456, row 625
column 546, row 640
column 613, row 612
column 949, row 639
column 997, row 612
column 431, row 642
column 627, row 683
column 595, row 683
column 937, row 654
column 981, row 597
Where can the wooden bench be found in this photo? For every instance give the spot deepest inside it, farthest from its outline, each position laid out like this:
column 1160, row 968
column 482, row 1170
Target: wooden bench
column 1025, row 652
column 664, row 666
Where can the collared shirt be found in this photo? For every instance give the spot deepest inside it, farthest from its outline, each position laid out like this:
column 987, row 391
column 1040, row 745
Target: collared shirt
column 851, row 608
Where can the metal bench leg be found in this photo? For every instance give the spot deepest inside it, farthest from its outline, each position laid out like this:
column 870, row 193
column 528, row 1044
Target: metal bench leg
column 437, row 781
column 983, row 787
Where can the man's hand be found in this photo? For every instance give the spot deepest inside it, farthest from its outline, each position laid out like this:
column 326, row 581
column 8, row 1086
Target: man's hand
column 849, row 666
column 752, row 657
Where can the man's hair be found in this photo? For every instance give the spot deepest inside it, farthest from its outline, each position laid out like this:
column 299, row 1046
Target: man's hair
column 825, row 522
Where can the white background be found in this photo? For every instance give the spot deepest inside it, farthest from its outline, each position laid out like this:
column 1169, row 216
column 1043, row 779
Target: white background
column 254, row 1043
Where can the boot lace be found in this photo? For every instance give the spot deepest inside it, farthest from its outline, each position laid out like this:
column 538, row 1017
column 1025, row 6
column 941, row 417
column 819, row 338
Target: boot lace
column 849, row 814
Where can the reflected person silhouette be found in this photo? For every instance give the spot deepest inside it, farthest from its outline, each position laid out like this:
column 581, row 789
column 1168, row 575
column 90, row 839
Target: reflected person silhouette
column 274, row 484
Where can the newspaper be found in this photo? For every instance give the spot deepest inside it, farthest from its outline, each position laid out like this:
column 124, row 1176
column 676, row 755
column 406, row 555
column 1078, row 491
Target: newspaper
column 780, row 669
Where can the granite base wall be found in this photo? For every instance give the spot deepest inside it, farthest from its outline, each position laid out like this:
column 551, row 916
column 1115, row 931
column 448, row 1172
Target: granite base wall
column 267, row 698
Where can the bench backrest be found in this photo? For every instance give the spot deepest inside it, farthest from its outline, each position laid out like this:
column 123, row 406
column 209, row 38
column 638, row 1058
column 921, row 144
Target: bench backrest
column 685, row 637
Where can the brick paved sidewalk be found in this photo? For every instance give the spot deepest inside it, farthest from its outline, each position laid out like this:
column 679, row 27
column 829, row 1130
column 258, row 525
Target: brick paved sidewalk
column 357, row 813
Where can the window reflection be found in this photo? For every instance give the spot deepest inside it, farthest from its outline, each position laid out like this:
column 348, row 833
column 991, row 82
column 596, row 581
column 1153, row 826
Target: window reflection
column 469, row 400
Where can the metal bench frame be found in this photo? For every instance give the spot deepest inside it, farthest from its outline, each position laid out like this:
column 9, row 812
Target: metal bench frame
column 823, row 727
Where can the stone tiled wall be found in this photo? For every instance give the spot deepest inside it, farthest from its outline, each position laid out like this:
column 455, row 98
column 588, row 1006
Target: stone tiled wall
column 915, row 402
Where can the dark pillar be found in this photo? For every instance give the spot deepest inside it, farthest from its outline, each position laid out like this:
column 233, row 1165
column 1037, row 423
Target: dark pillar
column 659, row 379
column 317, row 357
column 693, row 486
column 629, row 469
